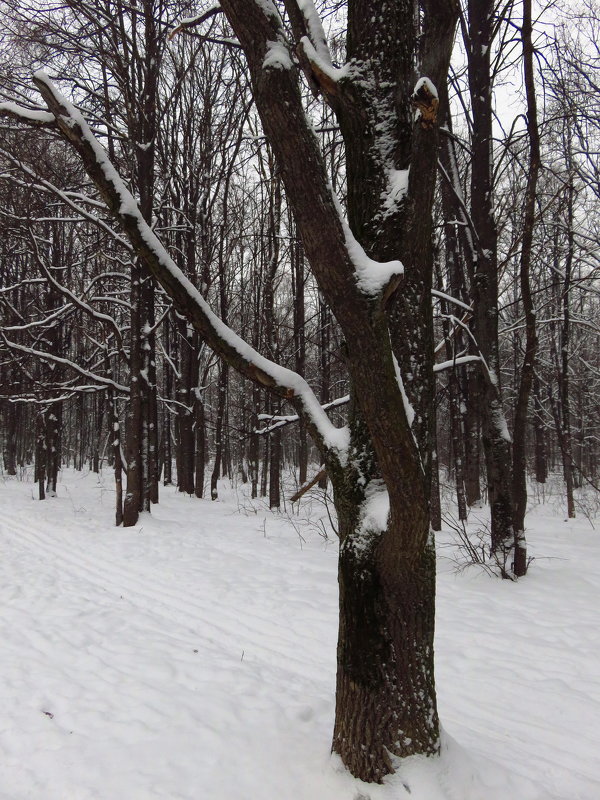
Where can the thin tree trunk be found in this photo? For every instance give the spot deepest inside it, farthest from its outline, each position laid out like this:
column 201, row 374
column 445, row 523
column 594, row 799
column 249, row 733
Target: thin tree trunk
column 117, row 461
column 496, row 438
column 531, row 342
column 53, row 426
column 539, row 429
column 222, row 396
column 134, row 420
column 325, row 323
column 275, row 470
column 40, row 455
column 435, row 503
column 200, row 450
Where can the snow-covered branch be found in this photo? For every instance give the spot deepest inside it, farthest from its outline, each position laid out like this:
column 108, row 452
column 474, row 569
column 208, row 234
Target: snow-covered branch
column 449, row 299
column 31, row 116
column 98, row 379
column 280, row 421
column 68, row 198
column 76, row 301
column 455, row 362
column 193, row 22
column 222, row 339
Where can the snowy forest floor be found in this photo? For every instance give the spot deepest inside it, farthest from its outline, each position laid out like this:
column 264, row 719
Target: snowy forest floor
column 193, row 657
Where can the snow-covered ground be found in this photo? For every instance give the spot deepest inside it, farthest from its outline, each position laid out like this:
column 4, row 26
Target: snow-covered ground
column 193, row 657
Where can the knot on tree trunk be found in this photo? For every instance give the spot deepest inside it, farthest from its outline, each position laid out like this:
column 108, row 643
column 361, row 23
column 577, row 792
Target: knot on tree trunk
column 426, row 101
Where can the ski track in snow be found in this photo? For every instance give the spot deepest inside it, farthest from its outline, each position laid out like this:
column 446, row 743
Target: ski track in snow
column 194, row 656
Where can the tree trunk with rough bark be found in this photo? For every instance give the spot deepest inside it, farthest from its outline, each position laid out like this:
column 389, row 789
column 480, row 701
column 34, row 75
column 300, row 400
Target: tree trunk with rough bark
column 386, row 703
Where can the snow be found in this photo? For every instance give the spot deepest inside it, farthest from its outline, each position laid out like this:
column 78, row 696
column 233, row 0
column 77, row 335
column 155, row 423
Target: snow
column 315, row 28
column 428, row 85
column 194, row 656
column 454, row 362
column 371, row 276
column 375, row 509
column 28, row 114
column 189, row 21
column 277, row 56
column 449, row 299
column 321, row 58
column 408, row 409
column 397, row 188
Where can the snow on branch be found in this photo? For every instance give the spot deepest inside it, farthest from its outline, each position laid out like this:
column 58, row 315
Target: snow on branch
column 280, row 421
column 314, row 29
column 312, row 48
column 449, row 299
column 76, row 301
column 186, row 297
column 455, row 362
column 325, row 74
column 426, row 100
column 39, row 323
column 277, row 56
column 69, row 198
column 193, row 22
column 98, row 379
column 41, row 119
column 372, row 277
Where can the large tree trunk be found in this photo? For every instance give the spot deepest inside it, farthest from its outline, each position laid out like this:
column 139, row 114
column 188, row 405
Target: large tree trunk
column 385, row 698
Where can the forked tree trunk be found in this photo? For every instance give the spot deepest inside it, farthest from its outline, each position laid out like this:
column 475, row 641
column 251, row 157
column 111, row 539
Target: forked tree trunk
column 385, row 698
column 386, row 695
